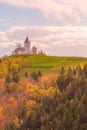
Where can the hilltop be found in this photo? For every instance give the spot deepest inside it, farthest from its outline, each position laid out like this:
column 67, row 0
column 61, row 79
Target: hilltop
column 47, row 64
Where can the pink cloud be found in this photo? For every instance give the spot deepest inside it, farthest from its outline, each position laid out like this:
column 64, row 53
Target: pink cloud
column 55, row 9
column 63, row 35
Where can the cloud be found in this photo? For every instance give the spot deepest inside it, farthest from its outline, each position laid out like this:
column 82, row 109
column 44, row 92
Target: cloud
column 55, row 9
column 4, row 21
column 54, row 40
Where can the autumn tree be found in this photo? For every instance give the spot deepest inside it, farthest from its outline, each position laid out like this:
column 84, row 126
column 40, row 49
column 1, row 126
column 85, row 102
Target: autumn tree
column 3, row 70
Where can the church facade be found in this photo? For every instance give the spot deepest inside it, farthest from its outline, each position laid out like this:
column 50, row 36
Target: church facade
column 23, row 50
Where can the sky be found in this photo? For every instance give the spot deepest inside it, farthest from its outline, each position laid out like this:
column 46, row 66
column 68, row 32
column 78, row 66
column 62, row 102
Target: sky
column 58, row 27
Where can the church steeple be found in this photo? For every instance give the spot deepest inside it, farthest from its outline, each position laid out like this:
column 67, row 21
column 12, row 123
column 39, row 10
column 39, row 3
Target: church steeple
column 27, row 45
column 27, row 40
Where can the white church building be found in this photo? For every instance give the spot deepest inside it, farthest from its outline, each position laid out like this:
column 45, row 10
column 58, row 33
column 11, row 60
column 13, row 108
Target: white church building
column 23, row 50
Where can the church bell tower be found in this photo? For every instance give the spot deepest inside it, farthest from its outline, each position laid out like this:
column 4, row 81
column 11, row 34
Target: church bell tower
column 27, row 46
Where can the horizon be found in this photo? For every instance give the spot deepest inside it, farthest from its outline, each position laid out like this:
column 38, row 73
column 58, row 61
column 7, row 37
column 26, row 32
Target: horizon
column 59, row 28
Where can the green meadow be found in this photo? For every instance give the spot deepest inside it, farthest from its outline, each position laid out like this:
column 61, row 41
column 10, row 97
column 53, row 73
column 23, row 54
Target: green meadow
column 48, row 64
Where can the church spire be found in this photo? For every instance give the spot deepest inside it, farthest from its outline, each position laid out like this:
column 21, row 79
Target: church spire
column 27, row 40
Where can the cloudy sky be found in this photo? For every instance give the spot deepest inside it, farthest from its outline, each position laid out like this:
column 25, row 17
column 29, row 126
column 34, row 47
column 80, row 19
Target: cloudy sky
column 59, row 27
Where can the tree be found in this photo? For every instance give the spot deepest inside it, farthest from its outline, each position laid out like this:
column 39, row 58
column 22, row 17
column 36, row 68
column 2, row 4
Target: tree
column 62, row 82
column 15, row 78
column 8, row 79
column 74, row 71
column 26, row 75
column 69, row 75
column 0, row 60
column 34, row 50
column 3, row 70
column 11, row 126
column 39, row 74
column 41, row 53
column 62, row 71
column 85, row 70
column 34, row 76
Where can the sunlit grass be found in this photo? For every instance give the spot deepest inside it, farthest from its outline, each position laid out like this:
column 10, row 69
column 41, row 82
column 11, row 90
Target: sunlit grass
column 48, row 64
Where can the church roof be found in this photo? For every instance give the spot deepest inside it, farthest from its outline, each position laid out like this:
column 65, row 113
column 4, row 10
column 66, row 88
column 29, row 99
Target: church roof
column 27, row 40
column 20, row 49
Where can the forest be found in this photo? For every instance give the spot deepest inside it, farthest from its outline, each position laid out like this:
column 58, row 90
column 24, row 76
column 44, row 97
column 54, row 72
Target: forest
column 56, row 101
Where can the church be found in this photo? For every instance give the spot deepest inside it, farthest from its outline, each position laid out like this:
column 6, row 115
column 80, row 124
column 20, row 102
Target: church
column 23, row 50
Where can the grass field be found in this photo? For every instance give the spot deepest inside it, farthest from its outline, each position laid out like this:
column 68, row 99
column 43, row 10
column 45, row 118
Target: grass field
column 48, row 64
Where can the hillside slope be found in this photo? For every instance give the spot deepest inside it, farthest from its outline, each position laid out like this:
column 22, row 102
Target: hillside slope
column 48, row 64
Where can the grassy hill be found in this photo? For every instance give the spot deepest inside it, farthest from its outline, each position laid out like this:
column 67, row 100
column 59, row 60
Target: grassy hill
column 48, row 64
